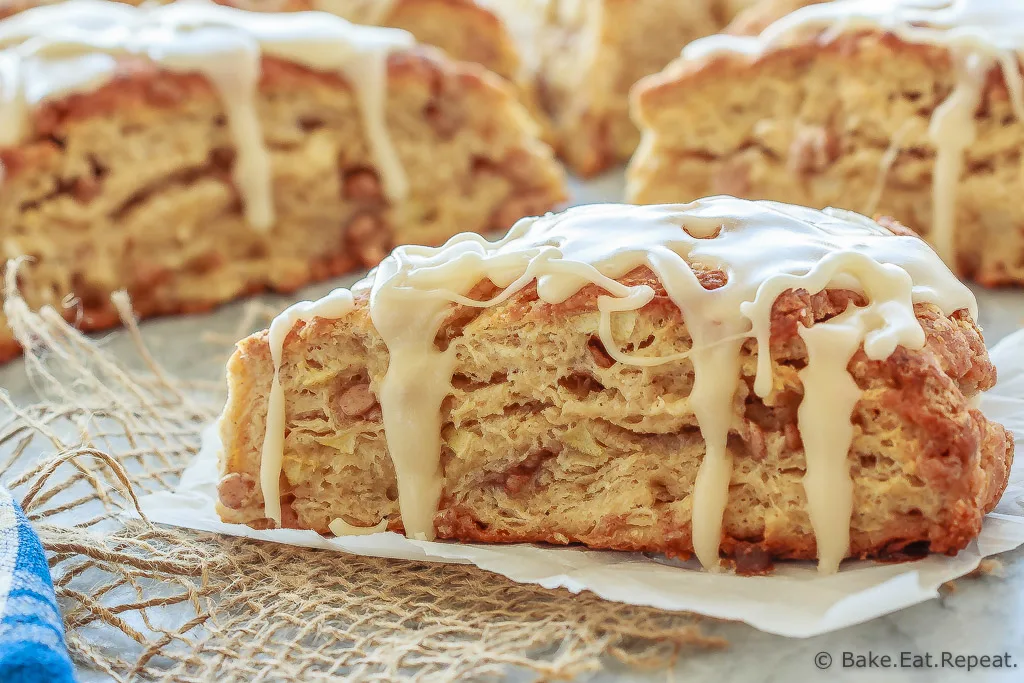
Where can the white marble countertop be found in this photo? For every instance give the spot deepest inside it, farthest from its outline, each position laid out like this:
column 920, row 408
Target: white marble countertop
column 981, row 616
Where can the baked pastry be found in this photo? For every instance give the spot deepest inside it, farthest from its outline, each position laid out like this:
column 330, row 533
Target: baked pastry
column 640, row 378
column 879, row 107
column 462, row 28
column 581, row 58
column 227, row 152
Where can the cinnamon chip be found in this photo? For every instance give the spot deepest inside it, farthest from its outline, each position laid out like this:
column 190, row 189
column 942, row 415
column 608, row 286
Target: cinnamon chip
column 234, row 490
column 356, row 401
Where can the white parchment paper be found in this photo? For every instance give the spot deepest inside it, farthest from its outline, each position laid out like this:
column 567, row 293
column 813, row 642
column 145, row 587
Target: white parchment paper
column 795, row 601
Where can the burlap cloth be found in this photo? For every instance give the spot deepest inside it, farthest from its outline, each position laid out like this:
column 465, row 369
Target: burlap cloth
column 143, row 602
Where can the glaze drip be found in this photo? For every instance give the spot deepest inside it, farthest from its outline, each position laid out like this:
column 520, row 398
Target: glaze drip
column 764, row 249
column 981, row 35
column 52, row 51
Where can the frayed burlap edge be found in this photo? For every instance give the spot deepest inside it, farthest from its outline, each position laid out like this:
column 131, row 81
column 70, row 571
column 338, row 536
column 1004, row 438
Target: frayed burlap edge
column 144, row 602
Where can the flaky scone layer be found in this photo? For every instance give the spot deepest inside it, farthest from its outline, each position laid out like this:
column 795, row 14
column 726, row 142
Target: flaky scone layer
column 842, row 124
column 129, row 186
column 547, row 439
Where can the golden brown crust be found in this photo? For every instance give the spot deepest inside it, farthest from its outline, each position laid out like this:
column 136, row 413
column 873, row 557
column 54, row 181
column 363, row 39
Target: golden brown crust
column 548, row 439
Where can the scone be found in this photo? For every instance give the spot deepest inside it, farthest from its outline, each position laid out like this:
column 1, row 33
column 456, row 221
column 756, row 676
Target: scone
column 222, row 152
column 580, row 59
column 897, row 107
column 749, row 379
column 462, row 28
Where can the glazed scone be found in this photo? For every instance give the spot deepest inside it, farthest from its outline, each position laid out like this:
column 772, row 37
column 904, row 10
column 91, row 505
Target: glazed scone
column 581, row 58
column 877, row 107
column 755, row 379
column 240, row 152
column 462, row 28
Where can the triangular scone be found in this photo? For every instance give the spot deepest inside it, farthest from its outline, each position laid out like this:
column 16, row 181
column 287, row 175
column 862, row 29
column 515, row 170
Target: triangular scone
column 222, row 151
column 464, row 29
column 581, row 58
column 606, row 390
column 880, row 106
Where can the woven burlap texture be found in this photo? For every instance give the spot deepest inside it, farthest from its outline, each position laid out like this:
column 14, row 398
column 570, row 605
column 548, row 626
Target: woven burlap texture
column 146, row 602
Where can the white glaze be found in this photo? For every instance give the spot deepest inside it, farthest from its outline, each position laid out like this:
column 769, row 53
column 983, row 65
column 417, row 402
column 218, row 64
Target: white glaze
column 980, row 34
column 765, row 249
column 334, row 305
column 830, row 395
column 56, row 50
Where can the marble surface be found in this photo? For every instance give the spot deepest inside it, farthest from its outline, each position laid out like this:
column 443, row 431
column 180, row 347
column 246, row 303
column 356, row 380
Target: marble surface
column 978, row 616
column 981, row 616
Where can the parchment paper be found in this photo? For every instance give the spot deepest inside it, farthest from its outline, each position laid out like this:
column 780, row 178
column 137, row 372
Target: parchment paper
column 795, row 601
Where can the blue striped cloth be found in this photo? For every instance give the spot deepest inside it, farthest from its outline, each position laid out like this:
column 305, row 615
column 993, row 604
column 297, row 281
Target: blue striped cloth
column 32, row 644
